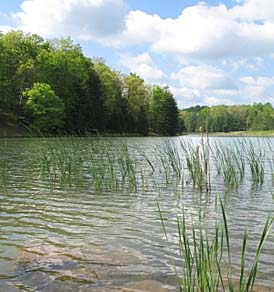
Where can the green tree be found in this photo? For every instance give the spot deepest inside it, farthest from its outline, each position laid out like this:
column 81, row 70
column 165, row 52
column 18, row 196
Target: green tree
column 219, row 119
column 136, row 95
column 163, row 111
column 72, row 77
column 114, row 103
column 18, row 52
column 45, row 108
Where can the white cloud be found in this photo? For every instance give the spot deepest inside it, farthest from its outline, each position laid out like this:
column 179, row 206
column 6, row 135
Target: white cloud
column 259, row 81
column 203, row 84
column 5, row 28
column 82, row 19
column 254, row 10
column 143, row 66
column 203, row 77
column 213, row 100
column 252, row 64
column 207, row 85
column 240, row 37
column 187, row 97
column 140, row 28
column 201, row 32
column 257, row 89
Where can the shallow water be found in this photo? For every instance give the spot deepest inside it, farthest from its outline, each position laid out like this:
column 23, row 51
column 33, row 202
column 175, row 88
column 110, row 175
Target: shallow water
column 75, row 235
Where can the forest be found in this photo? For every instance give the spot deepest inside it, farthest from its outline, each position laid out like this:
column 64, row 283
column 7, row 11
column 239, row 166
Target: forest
column 222, row 118
column 50, row 86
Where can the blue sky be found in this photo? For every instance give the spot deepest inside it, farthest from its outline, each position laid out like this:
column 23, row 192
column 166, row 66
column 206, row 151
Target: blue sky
column 211, row 52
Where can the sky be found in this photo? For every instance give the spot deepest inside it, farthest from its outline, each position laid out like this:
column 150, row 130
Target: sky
column 208, row 53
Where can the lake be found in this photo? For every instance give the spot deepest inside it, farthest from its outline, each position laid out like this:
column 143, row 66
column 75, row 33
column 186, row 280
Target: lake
column 83, row 214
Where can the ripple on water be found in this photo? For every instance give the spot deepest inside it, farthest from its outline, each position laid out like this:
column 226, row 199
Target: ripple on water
column 69, row 240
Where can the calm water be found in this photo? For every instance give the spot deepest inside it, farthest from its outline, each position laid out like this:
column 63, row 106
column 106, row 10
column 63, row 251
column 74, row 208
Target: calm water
column 77, row 234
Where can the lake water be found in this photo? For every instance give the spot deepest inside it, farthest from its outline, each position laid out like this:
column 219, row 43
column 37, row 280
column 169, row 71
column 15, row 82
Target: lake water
column 74, row 217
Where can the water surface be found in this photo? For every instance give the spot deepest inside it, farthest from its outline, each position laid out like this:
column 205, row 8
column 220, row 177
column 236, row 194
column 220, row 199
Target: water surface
column 67, row 233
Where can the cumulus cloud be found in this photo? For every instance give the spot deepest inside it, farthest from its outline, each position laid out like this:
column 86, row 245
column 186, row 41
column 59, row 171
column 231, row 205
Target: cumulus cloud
column 201, row 31
column 203, row 77
column 203, row 84
column 249, row 90
column 257, row 89
column 254, row 10
column 83, row 19
column 239, row 37
column 143, row 66
column 259, row 81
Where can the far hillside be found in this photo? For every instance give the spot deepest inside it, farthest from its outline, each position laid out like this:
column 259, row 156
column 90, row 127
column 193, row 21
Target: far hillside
column 222, row 118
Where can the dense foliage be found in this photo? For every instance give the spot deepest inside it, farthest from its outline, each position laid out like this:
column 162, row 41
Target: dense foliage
column 52, row 86
column 44, row 107
column 228, row 118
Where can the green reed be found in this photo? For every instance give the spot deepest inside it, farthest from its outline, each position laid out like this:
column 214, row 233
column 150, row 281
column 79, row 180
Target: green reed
column 61, row 162
column 111, row 167
column 197, row 161
column 229, row 164
column 256, row 160
column 100, row 164
column 206, row 263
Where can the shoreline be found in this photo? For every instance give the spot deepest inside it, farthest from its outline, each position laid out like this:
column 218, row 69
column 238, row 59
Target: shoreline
column 268, row 133
column 13, row 130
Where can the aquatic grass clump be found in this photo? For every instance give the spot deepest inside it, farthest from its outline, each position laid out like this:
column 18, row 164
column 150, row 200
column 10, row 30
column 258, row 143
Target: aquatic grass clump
column 168, row 162
column 197, row 164
column 173, row 156
column 61, row 162
column 206, row 257
column 110, row 167
column 99, row 164
column 256, row 160
column 229, row 165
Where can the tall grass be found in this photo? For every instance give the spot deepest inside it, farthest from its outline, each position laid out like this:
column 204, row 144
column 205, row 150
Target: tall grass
column 61, row 162
column 197, row 163
column 256, row 160
column 230, row 163
column 100, row 164
column 206, row 263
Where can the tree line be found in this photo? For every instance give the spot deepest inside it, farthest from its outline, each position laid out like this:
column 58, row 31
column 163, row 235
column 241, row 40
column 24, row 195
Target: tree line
column 222, row 118
column 51, row 86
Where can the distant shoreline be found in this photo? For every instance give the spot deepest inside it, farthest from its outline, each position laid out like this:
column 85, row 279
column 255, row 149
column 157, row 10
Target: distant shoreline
column 268, row 133
column 17, row 131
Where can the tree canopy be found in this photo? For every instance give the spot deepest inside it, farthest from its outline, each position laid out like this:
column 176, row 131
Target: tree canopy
column 51, row 85
column 90, row 96
column 44, row 107
column 224, row 118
